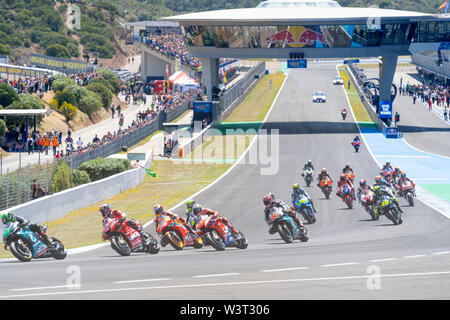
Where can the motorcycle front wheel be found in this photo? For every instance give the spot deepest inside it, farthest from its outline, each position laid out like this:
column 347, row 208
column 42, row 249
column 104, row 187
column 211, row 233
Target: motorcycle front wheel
column 410, row 198
column 284, row 229
column 175, row 241
column 21, row 249
column 120, row 245
column 215, row 240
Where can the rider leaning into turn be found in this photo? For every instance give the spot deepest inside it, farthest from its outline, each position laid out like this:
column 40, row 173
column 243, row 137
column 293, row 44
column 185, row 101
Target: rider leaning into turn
column 190, row 217
column 378, row 193
column 198, row 211
column 108, row 213
column 270, row 202
column 161, row 214
column 297, row 192
column 8, row 218
column 344, row 180
column 363, row 188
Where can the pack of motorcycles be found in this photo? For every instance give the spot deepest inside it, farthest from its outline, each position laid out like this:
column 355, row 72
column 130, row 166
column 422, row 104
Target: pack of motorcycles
column 26, row 245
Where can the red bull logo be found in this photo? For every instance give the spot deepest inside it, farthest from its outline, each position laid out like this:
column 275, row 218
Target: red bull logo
column 288, row 37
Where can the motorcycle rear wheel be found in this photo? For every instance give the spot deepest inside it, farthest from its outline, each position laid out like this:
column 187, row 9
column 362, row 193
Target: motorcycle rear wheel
column 410, row 198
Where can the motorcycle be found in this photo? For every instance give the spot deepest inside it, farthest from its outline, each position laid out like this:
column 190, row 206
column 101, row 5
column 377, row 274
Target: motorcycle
column 174, row 232
column 347, row 197
column 304, row 207
column 26, row 245
column 356, row 145
column 408, row 191
column 366, row 199
column 389, row 209
column 325, row 186
column 286, row 226
column 308, row 175
column 125, row 239
column 344, row 115
column 350, row 175
column 386, row 172
column 121, row 122
column 220, row 236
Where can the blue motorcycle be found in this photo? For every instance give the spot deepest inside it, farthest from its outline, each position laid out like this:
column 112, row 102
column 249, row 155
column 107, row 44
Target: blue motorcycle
column 286, row 226
column 26, row 245
column 304, row 207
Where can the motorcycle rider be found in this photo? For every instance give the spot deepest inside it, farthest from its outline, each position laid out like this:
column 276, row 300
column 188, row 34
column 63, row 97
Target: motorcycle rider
column 387, row 165
column 356, row 142
column 160, row 215
column 324, row 173
column 270, row 202
column 396, row 174
column 8, row 218
column 344, row 180
column 363, row 188
column 190, row 217
column 347, row 168
column 378, row 192
column 121, row 217
column 198, row 211
column 380, row 181
column 344, row 113
column 307, row 165
column 403, row 178
column 297, row 192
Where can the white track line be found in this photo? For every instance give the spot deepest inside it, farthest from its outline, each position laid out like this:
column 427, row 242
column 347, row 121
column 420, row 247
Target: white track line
column 339, row 264
column 143, row 280
column 416, row 256
column 286, row 269
column 381, row 260
column 442, row 252
column 216, row 275
column 222, row 284
column 40, row 288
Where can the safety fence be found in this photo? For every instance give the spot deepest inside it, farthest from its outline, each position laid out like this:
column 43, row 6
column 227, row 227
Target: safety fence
column 234, row 95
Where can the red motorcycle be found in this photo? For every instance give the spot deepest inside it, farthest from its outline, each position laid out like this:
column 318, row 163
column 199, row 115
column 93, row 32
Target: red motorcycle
column 173, row 231
column 220, row 235
column 368, row 203
column 408, row 190
column 346, row 193
column 125, row 239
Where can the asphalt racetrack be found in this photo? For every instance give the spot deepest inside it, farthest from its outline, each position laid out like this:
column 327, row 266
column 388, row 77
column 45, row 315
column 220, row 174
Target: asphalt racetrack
column 348, row 256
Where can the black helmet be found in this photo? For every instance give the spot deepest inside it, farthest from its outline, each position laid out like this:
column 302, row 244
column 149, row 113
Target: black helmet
column 196, row 209
column 158, row 209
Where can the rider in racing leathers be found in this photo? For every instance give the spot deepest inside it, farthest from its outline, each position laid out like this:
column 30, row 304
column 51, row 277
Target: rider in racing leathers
column 121, row 217
column 403, row 178
column 344, row 180
column 190, row 217
column 347, row 168
column 380, row 181
column 297, row 192
column 378, row 192
column 270, row 202
column 307, row 165
column 324, row 173
column 198, row 211
column 363, row 188
column 8, row 218
column 387, row 165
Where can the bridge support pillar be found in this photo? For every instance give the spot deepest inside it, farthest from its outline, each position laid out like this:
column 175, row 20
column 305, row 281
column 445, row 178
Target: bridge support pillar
column 387, row 71
column 154, row 67
column 210, row 75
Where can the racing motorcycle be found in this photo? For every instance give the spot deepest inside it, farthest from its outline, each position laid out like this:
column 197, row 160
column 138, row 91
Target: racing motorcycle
column 347, row 197
column 366, row 199
column 121, row 121
column 356, row 145
column 125, row 239
column 286, row 226
column 303, row 205
column 173, row 231
column 387, row 171
column 220, row 236
column 308, row 175
column 408, row 191
column 389, row 209
column 344, row 115
column 26, row 245
column 325, row 186
column 350, row 175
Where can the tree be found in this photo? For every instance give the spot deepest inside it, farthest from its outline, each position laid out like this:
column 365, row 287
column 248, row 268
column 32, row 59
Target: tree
column 2, row 128
column 26, row 101
column 4, row 51
column 58, row 51
column 60, row 82
column 90, row 104
column 68, row 111
column 65, row 96
column 104, row 93
column 7, row 95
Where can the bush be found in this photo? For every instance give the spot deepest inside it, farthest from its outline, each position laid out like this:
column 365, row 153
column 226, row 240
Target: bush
column 80, row 177
column 58, row 51
column 112, row 78
column 60, row 82
column 100, row 168
column 2, row 128
column 7, row 94
column 68, row 111
column 4, row 51
column 66, row 95
column 104, row 93
column 61, row 178
column 103, row 82
column 90, row 104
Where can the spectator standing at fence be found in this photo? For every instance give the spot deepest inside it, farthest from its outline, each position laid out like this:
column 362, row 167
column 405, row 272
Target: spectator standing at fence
column 113, row 111
column 55, row 144
column 118, row 109
column 36, row 190
column 445, row 113
column 414, row 97
column 46, row 143
column 40, row 141
column 60, row 137
column 30, row 144
column 79, row 143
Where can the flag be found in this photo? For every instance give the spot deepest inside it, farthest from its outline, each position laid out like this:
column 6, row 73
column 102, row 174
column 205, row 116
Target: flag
column 444, row 7
column 150, row 173
column 167, row 70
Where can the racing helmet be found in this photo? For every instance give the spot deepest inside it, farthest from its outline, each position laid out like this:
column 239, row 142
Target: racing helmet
column 403, row 175
column 388, row 163
column 342, row 177
column 158, row 209
column 190, row 203
column 362, row 183
column 267, row 200
column 378, row 179
column 295, row 186
column 309, row 162
column 7, row 217
column 347, row 166
column 324, row 170
column 196, row 209
column 397, row 169
column 105, row 210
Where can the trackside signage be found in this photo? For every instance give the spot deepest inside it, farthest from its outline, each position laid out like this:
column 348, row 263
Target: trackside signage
column 202, row 106
column 297, row 63
column 385, row 109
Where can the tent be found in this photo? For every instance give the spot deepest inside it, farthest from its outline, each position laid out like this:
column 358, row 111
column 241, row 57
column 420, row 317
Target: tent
column 182, row 81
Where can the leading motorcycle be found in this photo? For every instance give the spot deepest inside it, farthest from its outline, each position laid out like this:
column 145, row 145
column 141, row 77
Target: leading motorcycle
column 26, row 245
column 219, row 235
column 125, row 240
column 389, row 209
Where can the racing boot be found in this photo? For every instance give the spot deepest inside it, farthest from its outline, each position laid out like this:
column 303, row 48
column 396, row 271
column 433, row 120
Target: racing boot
column 272, row 230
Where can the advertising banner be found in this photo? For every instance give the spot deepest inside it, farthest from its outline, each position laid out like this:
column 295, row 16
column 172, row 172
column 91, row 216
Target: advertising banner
column 297, row 63
column 202, row 106
column 62, row 65
column 385, row 109
column 392, row 132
